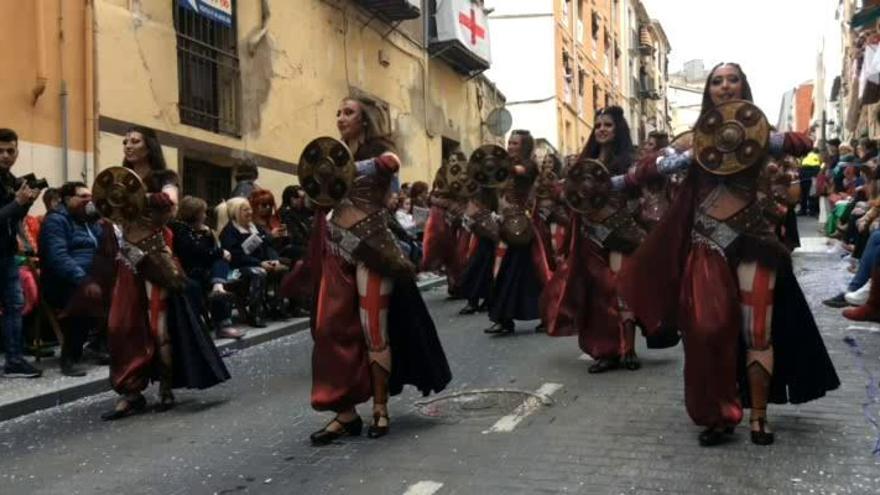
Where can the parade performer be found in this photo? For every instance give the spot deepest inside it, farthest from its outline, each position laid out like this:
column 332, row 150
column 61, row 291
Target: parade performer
column 371, row 328
column 717, row 271
column 521, row 269
column 582, row 298
column 443, row 230
column 655, row 195
column 550, row 214
column 481, row 231
column 152, row 331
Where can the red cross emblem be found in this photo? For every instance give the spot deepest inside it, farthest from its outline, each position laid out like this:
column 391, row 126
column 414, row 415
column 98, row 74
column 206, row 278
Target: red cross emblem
column 470, row 23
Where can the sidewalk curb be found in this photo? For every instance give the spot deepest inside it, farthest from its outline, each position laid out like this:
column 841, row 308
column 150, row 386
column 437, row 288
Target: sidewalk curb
column 101, row 384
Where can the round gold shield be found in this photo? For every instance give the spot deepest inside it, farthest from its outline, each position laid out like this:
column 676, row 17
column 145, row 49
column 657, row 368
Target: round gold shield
column 683, row 142
column 119, row 194
column 546, row 184
column 458, row 183
column 326, row 171
column 489, row 166
column 587, row 185
column 516, row 229
column 732, row 137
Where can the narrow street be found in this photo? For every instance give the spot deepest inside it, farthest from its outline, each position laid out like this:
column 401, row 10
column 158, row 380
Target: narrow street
column 622, row 432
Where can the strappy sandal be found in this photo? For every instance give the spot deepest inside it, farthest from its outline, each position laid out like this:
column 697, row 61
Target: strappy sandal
column 132, row 406
column 603, row 365
column 166, row 401
column 325, row 437
column 376, row 431
column 761, row 436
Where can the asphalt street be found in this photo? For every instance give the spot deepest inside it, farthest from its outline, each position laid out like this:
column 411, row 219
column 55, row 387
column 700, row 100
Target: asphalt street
column 619, row 433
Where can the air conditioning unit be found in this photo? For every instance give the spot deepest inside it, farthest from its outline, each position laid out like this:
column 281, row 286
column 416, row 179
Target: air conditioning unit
column 394, row 10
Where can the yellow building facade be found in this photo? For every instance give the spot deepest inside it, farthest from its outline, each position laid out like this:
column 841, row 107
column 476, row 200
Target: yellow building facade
column 46, row 87
column 588, row 68
column 259, row 88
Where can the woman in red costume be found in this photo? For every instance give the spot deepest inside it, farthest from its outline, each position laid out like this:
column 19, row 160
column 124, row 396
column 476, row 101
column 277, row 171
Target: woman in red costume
column 153, row 332
column 654, row 196
column 443, row 230
column 581, row 298
column 718, row 272
column 521, row 269
column 550, row 214
column 371, row 328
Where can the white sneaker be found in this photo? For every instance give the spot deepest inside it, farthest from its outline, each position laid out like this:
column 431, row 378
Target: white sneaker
column 836, row 248
column 859, row 296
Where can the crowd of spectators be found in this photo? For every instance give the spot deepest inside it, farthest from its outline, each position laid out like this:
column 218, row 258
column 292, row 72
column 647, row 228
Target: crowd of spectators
column 235, row 256
column 840, row 187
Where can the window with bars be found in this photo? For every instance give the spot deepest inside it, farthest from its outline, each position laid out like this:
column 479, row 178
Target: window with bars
column 208, row 72
column 206, row 180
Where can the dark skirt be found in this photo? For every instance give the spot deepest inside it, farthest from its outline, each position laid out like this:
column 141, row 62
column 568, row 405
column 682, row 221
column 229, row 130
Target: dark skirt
column 517, row 288
column 133, row 344
column 476, row 280
column 417, row 357
column 196, row 361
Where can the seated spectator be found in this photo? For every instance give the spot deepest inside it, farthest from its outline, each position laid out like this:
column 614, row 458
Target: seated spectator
column 70, row 237
column 246, row 175
column 297, row 218
column 265, row 216
column 252, row 255
column 404, row 215
column 841, row 200
column 420, row 208
column 263, row 204
column 418, row 193
column 204, row 262
column 392, row 202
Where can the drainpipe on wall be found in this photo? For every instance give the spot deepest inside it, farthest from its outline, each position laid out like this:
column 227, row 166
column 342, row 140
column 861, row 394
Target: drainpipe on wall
column 88, row 171
column 426, row 63
column 42, row 72
column 63, row 92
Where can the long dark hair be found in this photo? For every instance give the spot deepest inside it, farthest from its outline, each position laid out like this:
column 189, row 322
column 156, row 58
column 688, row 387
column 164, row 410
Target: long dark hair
column 557, row 163
column 154, row 149
column 527, row 143
column 623, row 145
column 707, row 98
column 377, row 134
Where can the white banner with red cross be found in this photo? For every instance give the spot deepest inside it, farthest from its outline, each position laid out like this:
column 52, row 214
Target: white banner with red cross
column 464, row 21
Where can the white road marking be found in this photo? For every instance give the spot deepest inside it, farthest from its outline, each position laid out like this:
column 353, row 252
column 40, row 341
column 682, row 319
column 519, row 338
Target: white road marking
column 531, row 404
column 863, row 328
column 424, row 488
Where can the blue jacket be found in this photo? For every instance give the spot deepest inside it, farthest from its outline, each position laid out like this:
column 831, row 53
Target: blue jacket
column 67, row 249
